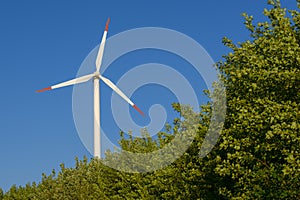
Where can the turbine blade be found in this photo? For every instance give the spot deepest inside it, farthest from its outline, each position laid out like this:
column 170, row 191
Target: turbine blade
column 119, row 92
column 70, row 82
column 139, row 110
column 101, row 47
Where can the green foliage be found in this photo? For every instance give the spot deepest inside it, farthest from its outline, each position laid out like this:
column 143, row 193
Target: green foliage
column 1, row 194
column 257, row 156
column 259, row 149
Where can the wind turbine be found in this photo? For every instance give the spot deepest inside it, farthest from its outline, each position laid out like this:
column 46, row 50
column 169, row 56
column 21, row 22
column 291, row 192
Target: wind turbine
column 96, row 77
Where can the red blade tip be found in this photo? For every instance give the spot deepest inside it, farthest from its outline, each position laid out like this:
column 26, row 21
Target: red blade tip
column 45, row 89
column 106, row 26
column 141, row 112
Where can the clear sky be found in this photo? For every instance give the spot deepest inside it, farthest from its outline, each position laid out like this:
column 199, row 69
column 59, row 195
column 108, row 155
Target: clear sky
column 45, row 42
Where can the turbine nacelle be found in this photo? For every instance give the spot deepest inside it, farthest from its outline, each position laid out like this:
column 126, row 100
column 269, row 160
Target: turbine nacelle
column 97, row 74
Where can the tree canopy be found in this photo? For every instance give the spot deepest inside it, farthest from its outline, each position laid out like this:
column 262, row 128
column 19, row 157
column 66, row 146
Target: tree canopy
column 258, row 152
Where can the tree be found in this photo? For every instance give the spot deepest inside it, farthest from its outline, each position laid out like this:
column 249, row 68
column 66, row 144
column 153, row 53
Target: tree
column 259, row 151
column 1, row 194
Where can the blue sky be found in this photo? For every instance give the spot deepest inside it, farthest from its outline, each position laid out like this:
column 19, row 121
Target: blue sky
column 45, row 42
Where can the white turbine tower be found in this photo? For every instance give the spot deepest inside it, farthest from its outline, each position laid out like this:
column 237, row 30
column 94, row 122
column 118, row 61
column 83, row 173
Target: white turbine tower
column 96, row 76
